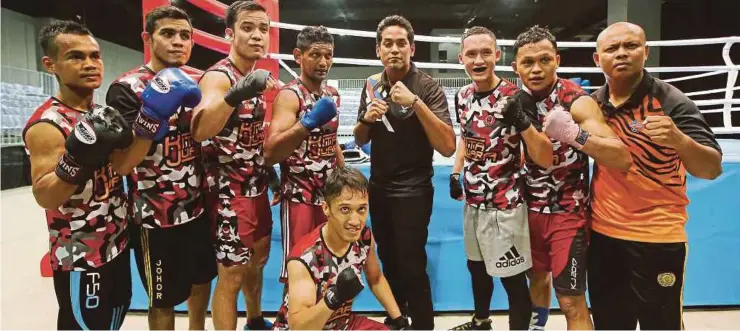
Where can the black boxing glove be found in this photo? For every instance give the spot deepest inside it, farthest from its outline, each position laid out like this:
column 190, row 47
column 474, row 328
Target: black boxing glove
column 273, row 180
column 346, row 288
column 399, row 323
column 515, row 109
column 456, row 190
column 248, row 87
column 90, row 143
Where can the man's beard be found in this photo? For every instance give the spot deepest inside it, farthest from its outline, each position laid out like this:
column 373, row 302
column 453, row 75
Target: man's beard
column 169, row 64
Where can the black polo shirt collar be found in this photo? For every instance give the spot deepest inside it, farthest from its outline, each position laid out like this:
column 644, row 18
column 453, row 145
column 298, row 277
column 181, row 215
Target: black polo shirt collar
column 635, row 100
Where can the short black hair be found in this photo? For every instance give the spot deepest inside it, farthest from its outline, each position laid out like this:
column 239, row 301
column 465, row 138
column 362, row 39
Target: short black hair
column 344, row 178
column 533, row 35
column 161, row 13
column 239, row 6
column 50, row 32
column 311, row 35
column 394, row 20
column 477, row 30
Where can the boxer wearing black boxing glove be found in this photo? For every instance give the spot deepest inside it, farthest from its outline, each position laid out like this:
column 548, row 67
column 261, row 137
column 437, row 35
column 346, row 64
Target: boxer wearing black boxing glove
column 307, row 306
column 85, row 205
column 221, row 98
column 89, row 146
column 232, row 118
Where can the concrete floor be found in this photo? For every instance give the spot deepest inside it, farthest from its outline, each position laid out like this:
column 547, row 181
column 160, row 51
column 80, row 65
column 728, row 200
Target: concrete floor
column 27, row 300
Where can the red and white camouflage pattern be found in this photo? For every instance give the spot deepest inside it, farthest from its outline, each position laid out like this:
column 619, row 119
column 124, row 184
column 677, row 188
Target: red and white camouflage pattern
column 90, row 229
column 324, row 267
column 305, row 171
column 168, row 180
column 492, row 176
column 564, row 186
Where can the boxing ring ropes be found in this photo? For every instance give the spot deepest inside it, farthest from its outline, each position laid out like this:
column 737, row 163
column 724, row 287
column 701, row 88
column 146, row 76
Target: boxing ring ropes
column 725, row 105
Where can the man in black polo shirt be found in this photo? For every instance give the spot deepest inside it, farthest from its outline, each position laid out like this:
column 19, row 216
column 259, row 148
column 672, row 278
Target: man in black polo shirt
column 404, row 112
column 637, row 255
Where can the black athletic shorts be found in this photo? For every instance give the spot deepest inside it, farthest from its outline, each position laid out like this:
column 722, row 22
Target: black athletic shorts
column 631, row 282
column 172, row 260
column 96, row 299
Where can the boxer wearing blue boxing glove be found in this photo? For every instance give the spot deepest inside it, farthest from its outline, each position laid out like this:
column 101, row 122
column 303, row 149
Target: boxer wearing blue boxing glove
column 170, row 89
column 177, row 261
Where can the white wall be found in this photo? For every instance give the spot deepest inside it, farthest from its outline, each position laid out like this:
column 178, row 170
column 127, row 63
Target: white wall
column 18, row 46
column 20, row 51
column 117, row 60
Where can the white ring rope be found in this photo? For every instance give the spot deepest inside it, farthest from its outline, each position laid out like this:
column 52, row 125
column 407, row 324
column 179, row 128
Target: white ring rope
column 509, row 42
column 429, row 65
column 716, row 102
column 678, row 79
column 706, row 74
column 719, row 90
column 287, row 68
column 704, row 71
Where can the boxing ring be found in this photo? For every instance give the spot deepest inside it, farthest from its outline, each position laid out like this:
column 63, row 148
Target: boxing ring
column 714, row 233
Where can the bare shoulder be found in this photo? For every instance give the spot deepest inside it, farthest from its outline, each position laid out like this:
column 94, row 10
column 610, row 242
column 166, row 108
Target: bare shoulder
column 43, row 137
column 215, row 80
column 585, row 108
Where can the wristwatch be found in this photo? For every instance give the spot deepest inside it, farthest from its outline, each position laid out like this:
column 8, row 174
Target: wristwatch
column 582, row 137
column 363, row 121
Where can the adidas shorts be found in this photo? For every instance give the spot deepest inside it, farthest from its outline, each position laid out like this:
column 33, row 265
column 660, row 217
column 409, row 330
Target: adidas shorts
column 499, row 238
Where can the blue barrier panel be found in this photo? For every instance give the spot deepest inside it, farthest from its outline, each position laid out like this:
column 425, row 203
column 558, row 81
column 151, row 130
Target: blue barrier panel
column 711, row 270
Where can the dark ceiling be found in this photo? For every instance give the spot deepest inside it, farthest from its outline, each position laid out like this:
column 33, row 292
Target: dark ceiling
column 120, row 21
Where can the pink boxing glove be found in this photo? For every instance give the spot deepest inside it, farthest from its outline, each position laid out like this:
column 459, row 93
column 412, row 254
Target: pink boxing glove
column 559, row 125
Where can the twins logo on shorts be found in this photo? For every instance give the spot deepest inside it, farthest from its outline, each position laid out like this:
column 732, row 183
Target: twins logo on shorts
column 91, row 228
column 239, row 146
column 168, row 179
column 324, row 268
column 493, row 150
column 564, row 186
column 306, row 169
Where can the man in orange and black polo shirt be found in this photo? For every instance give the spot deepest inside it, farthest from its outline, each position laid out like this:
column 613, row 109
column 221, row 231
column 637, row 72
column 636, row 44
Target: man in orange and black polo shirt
column 638, row 244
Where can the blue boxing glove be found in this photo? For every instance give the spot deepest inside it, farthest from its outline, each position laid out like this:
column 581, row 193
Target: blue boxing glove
column 322, row 112
column 170, row 89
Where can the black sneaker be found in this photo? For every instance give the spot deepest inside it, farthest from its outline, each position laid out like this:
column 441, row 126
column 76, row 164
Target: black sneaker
column 474, row 325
